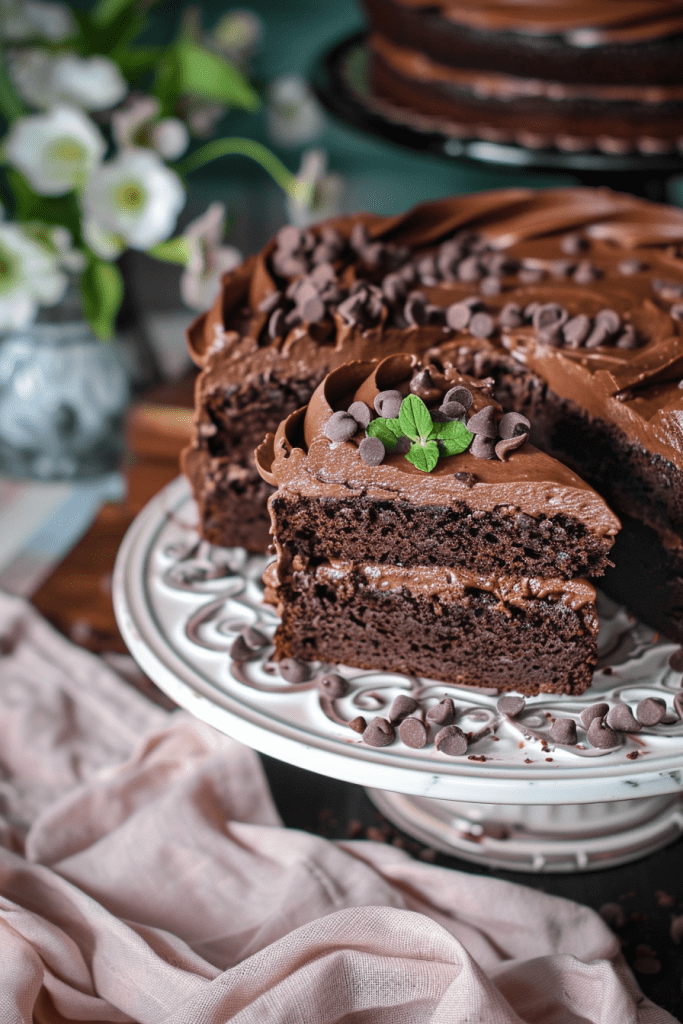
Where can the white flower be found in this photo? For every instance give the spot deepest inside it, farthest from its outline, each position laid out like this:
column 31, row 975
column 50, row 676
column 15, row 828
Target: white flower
column 294, row 116
column 237, row 35
column 43, row 79
column 136, row 197
column 208, row 260
column 104, row 244
column 29, row 277
column 54, row 22
column 55, row 151
column 318, row 194
column 68, row 257
column 134, row 125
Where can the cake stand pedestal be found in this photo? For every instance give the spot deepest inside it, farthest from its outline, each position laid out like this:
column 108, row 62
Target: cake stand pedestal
column 340, row 80
column 515, row 800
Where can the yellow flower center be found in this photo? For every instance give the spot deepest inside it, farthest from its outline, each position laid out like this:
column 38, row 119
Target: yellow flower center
column 66, row 150
column 131, row 196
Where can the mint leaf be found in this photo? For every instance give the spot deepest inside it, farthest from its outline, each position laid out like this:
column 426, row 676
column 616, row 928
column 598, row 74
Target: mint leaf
column 414, row 418
column 424, row 457
column 381, row 428
column 454, row 437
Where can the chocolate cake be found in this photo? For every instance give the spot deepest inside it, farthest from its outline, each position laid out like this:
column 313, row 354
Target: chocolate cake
column 570, row 300
column 417, row 531
column 545, row 73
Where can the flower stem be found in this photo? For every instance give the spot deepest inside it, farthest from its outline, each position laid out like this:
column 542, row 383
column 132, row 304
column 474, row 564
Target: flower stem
column 242, row 147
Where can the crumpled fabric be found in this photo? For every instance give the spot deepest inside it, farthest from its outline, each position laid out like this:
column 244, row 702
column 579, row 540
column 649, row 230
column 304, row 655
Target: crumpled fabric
column 145, row 876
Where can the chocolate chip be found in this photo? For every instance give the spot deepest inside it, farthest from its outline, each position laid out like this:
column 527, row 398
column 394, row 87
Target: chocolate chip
column 676, row 660
column 531, row 275
column 468, row 479
column 620, row 717
column 276, row 324
column 414, row 310
column 293, row 318
column 322, row 276
column 403, row 445
column 423, row 385
column 358, row 724
column 294, row 671
column 628, row 339
column 458, row 316
column 585, row 273
column 459, row 394
column 289, row 239
column 359, row 237
column 271, row 300
column 650, row 711
column 573, row 244
column 452, row 410
column 530, row 309
column 576, row 330
column 591, row 712
column 372, row 451
column 401, row 706
column 289, row 266
column 253, row 638
column 676, row 311
column 469, row 269
column 340, row 427
column 630, row 267
column 483, row 447
column 312, row 310
column 413, row 733
column 510, row 316
column 379, row 733
column 513, row 424
column 332, row 685
column 561, row 268
column 388, row 404
column 484, row 422
column 490, row 285
column 504, row 448
column 240, row 650
column 351, row 310
column 601, row 736
column 598, row 336
column 482, row 325
column 332, row 237
column 442, row 713
column 563, row 730
column 549, row 315
column 394, row 288
column 511, row 706
column 451, row 740
column 610, row 318
column 361, row 413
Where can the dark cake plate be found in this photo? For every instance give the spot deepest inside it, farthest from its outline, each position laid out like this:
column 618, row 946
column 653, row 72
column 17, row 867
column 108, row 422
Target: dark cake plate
column 515, row 800
column 340, row 80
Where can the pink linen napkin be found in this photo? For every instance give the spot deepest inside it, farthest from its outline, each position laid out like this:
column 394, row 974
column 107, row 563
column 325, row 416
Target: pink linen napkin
column 145, row 876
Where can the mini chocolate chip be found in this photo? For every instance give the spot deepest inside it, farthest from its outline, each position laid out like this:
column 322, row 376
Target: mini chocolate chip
column 601, row 736
column 340, row 426
column 289, row 238
column 482, row 325
column 388, row 404
column 403, row 445
column 271, row 300
column 483, row 447
column 530, row 309
column 358, row 724
column 469, row 269
column 576, row 330
column 351, row 310
column 458, row 316
column 332, row 685
column 379, row 733
column 451, row 740
column 548, row 315
column 650, row 711
column 442, row 713
column 394, row 288
column 591, row 712
column 561, row 268
column 610, row 318
column 490, row 285
column 401, row 706
column 484, row 422
column 629, row 267
column 359, row 237
column 372, row 451
column 312, row 310
column 585, row 273
column 504, row 448
column 510, row 316
column 511, row 706
column 513, row 424
column 452, row 410
column 531, row 275
column 459, row 394
column 253, row 638
column 289, row 266
column 294, row 671
column 361, row 413
column 573, row 244
column 323, row 254
column 620, row 717
column 423, row 385
column 413, row 733
column 598, row 336
column 292, row 319
column 240, row 650
column 628, row 339
column 468, row 479
column 276, row 324
column 414, row 311
column 563, row 730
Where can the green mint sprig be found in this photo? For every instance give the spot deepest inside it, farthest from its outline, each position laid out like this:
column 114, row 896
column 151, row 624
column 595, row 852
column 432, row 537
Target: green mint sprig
column 415, row 422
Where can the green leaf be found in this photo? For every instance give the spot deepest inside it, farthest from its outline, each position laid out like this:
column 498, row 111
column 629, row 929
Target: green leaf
column 454, row 437
column 192, row 69
column 424, row 457
column 29, row 206
column 175, row 250
column 414, row 418
column 107, row 11
column 383, row 429
column 102, row 294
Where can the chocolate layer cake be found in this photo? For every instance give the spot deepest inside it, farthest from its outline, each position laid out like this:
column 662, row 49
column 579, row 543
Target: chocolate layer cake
column 570, row 299
column 550, row 73
column 418, row 531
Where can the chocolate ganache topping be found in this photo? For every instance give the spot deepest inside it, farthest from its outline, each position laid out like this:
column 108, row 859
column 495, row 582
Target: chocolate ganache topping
column 583, row 286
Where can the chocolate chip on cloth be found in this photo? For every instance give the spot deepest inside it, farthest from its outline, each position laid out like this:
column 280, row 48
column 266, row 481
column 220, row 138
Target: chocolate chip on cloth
column 442, row 713
column 332, row 685
column 413, row 733
column 340, row 427
column 451, row 740
column 294, row 671
column 372, row 451
column 591, row 712
column 620, row 717
column 511, row 706
column 388, row 404
column 601, row 736
column 650, row 711
column 563, row 730
column 379, row 733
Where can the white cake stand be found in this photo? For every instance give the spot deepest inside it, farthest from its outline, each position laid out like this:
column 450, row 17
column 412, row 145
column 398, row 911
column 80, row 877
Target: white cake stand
column 515, row 800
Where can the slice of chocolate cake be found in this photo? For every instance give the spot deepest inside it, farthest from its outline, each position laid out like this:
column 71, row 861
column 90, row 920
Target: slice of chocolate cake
column 418, row 531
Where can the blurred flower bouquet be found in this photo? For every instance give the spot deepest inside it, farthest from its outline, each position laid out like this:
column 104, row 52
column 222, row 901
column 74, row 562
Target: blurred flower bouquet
column 95, row 153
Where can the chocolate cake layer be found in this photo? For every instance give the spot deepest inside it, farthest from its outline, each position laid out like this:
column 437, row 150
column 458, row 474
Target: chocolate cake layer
column 462, row 630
